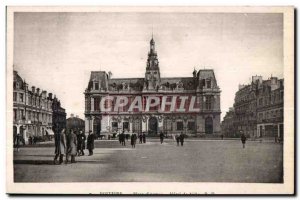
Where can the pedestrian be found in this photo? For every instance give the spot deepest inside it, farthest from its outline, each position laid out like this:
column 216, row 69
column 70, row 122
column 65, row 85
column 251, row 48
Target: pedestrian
column 72, row 147
column 177, row 139
column 17, row 141
column 141, row 138
column 222, row 136
column 34, row 139
column 123, row 137
column 30, row 140
column 90, row 143
column 133, row 140
column 60, row 146
column 181, row 138
column 144, row 138
column 161, row 136
column 83, row 138
column 79, row 141
column 243, row 139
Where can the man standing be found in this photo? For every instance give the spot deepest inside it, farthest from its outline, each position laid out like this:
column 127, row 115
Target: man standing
column 83, row 138
column 123, row 137
column 243, row 139
column 72, row 150
column 133, row 140
column 90, row 143
column 181, row 138
column 79, row 141
column 60, row 146
column 17, row 141
column 141, row 138
column 177, row 139
column 161, row 136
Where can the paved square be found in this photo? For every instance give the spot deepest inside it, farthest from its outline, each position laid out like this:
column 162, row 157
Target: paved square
column 196, row 161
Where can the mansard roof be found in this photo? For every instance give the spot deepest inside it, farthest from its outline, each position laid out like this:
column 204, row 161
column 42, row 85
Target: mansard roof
column 18, row 80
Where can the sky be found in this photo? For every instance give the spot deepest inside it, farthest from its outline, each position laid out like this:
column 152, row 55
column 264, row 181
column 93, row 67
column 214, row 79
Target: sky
column 57, row 51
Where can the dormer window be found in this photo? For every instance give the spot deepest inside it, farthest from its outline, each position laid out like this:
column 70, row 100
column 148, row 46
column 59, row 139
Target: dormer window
column 208, row 83
column 96, row 86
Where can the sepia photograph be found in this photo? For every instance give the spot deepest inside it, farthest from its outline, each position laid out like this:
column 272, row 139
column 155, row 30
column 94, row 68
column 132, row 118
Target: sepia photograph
column 150, row 100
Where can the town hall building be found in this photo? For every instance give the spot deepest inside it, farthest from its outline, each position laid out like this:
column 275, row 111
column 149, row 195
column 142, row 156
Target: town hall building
column 189, row 105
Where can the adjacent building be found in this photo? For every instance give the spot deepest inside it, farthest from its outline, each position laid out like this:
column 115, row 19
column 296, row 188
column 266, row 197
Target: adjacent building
column 245, row 107
column 227, row 124
column 200, row 88
column 258, row 109
column 58, row 116
column 270, row 108
column 32, row 110
column 75, row 123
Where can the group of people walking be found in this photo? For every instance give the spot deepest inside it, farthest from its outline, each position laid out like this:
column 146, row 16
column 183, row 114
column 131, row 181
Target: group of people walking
column 179, row 139
column 133, row 139
column 72, row 145
column 142, row 138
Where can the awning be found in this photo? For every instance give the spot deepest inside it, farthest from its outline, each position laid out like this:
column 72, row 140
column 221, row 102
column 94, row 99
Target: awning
column 50, row 132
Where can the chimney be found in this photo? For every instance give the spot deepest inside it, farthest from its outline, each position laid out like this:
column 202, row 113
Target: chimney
column 38, row 91
column 72, row 115
column 44, row 93
column 109, row 75
column 50, row 96
column 26, row 86
column 33, row 89
column 77, row 116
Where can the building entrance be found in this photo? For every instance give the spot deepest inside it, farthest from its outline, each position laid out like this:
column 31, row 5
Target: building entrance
column 209, row 125
column 153, row 124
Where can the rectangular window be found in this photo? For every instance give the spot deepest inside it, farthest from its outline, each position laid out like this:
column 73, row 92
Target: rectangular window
column 114, row 126
column 15, row 114
column 97, row 103
column 208, row 102
column 21, row 97
column 208, row 84
column 126, row 126
column 179, row 126
column 191, row 126
column 281, row 96
column 96, row 86
column 22, row 114
column 15, row 96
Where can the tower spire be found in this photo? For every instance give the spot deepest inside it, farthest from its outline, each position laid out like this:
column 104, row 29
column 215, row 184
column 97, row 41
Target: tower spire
column 152, row 32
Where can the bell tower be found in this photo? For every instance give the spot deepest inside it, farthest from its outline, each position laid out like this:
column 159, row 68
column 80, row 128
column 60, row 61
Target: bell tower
column 152, row 75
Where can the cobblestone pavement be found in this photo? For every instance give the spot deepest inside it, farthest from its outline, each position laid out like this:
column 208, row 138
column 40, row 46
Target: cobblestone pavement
column 196, row 161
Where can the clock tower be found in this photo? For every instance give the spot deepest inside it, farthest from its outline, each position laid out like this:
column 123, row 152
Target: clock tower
column 152, row 75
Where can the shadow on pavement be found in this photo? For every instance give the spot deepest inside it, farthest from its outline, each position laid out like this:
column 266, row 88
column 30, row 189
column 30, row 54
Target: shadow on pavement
column 50, row 162
column 34, row 162
column 52, row 156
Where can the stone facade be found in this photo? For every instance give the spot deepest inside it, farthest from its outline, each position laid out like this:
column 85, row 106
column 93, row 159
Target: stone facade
column 270, row 108
column 201, row 85
column 32, row 110
column 258, row 109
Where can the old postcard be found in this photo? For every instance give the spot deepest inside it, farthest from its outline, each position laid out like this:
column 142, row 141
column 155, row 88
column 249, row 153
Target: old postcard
column 150, row 100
